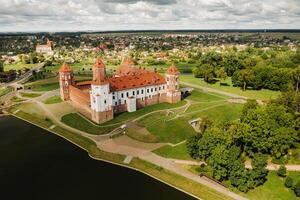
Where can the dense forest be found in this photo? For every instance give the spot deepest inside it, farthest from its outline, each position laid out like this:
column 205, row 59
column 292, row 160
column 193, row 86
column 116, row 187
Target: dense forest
column 262, row 131
column 252, row 68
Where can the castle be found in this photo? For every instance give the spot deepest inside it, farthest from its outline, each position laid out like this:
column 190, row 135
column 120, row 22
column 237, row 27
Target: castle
column 129, row 89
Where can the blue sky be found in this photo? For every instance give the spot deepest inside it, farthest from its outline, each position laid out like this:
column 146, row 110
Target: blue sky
column 100, row 15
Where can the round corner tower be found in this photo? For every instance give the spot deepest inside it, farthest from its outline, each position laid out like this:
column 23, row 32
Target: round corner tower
column 173, row 94
column 65, row 80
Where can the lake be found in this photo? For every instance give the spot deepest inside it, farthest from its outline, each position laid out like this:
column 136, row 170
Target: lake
column 36, row 164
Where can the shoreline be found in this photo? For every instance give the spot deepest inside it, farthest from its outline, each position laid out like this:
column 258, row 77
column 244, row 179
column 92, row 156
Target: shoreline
column 103, row 159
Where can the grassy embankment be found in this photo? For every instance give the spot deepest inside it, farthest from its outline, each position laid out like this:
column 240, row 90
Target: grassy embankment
column 252, row 94
column 18, row 66
column 178, row 181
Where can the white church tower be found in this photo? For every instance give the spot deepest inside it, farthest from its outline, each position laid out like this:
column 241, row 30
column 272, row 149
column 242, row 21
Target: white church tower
column 101, row 98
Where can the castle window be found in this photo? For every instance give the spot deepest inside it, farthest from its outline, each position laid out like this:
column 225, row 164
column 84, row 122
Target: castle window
column 159, row 88
column 142, row 91
column 151, row 89
column 113, row 97
column 163, row 87
column 155, row 89
column 138, row 92
column 116, row 103
column 133, row 93
column 125, row 101
column 147, row 90
column 104, row 101
column 122, row 95
column 127, row 94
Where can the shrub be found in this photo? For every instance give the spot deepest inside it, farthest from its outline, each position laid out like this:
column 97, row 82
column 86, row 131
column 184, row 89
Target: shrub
column 281, row 171
column 288, row 182
column 297, row 189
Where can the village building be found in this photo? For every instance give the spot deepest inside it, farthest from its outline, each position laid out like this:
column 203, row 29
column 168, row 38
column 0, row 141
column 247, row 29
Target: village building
column 129, row 89
column 45, row 49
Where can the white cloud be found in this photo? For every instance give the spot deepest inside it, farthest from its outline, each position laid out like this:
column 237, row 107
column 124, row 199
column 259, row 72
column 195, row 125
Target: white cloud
column 61, row 15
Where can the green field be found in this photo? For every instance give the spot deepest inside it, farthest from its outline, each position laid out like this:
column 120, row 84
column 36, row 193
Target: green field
column 18, row 66
column 77, row 121
column 16, row 99
column 274, row 188
column 177, row 152
column 252, row 94
column 30, row 95
column 53, row 100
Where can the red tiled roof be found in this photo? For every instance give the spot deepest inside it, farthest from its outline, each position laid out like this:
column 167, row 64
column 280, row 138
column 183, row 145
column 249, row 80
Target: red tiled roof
column 99, row 63
column 172, row 70
column 147, row 78
column 65, row 68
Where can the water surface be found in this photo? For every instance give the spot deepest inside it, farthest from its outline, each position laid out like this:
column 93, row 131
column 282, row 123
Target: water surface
column 36, row 164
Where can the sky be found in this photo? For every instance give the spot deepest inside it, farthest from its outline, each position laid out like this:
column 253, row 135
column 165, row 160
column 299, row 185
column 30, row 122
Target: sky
column 103, row 15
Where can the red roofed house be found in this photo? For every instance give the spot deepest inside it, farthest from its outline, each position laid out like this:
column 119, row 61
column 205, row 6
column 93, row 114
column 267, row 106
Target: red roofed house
column 129, row 89
column 47, row 48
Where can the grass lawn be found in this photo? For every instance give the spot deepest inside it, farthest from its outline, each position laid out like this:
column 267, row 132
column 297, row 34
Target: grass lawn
column 177, row 152
column 43, row 85
column 218, row 113
column 16, row 99
column 173, row 131
column 18, row 66
column 4, row 91
column 77, row 121
column 252, row 94
column 205, row 97
column 125, row 116
column 30, row 95
column 139, row 136
column 181, row 182
column 274, row 188
column 53, row 100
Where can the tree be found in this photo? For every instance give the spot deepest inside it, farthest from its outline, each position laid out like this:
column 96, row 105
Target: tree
column 297, row 189
column 281, row 171
column 204, row 124
column 246, row 77
column 296, row 77
column 288, row 182
column 221, row 74
column 1, row 66
column 192, row 146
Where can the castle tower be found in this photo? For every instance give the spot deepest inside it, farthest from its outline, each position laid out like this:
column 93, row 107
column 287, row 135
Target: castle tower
column 65, row 80
column 99, row 70
column 101, row 98
column 173, row 94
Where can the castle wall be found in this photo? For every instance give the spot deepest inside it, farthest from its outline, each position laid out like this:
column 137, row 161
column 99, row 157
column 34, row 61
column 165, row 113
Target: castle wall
column 101, row 117
column 79, row 97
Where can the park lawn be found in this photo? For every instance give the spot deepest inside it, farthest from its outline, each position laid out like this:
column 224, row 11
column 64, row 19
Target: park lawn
column 148, row 138
column 252, row 94
column 221, row 113
column 126, row 116
column 205, row 97
column 173, row 131
column 176, row 152
column 6, row 90
column 30, row 95
column 79, row 122
column 43, row 85
column 274, row 188
column 18, row 66
column 53, row 100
